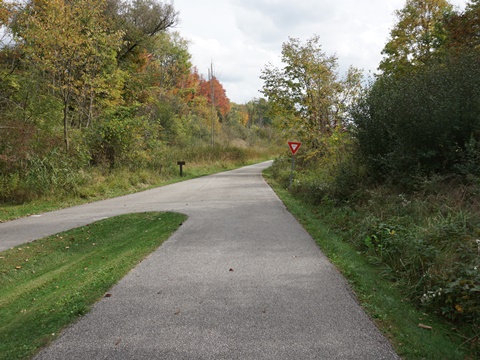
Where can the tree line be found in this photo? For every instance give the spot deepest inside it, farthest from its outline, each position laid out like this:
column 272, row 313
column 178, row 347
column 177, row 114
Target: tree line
column 104, row 83
column 422, row 114
column 418, row 116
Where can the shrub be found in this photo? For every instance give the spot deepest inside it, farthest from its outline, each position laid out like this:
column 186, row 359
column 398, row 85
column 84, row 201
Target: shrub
column 123, row 137
column 423, row 124
column 425, row 244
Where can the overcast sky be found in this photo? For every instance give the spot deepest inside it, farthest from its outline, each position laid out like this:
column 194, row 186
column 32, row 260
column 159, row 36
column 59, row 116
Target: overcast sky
column 241, row 36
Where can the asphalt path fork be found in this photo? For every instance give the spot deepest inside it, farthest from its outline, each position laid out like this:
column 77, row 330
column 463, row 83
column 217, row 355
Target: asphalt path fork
column 241, row 279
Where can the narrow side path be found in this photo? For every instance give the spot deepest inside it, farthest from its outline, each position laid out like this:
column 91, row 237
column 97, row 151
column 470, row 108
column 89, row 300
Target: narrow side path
column 241, row 279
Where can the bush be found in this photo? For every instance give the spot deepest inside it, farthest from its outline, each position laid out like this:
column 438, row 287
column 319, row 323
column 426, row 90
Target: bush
column 423, row 124
column 425, row 244
column 327, row 171
column 123, row 137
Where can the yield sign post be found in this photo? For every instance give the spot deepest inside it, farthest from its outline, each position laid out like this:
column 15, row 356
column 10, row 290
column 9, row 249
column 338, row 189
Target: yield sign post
column 294, row 146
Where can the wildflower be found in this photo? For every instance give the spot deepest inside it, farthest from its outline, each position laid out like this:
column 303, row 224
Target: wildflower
column 459, row 308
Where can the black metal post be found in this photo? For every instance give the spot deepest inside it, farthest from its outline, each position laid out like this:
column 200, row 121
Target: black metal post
column 181, row 163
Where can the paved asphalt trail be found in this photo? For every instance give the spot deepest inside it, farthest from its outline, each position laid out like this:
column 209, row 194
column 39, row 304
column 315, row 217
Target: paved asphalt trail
column 241, row 279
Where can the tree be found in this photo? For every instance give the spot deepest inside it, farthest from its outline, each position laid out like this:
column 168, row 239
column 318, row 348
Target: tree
column 238, row 116
column 258, row 112
column 420, row 117
column 425, row 124
column 4, row 13
column 173, row 60
column 165, row 67
column 307, row 91
column 140, row 21
column 221, row 101
column 419, row 32
column 68, row 43
column 464, row 29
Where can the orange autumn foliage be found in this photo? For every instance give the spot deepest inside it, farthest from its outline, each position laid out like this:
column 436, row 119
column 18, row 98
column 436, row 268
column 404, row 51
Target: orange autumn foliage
column 221, row 101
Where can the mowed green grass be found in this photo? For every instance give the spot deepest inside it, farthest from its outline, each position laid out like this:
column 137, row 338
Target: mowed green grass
column 47, row 284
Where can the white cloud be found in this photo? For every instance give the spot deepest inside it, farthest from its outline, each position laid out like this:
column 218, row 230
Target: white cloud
column 241, row 36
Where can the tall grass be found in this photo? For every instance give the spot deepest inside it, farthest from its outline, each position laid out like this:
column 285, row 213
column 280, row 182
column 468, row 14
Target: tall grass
column 20, row 196
column 57, row 175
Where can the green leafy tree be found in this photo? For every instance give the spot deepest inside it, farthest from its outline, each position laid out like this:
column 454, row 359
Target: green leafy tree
column 424, row 124
column 8, row 55
column 238, row 116
column 140, row 21
column 173, row 59
column 123, row 136
column 69, row 43
column 424, row 119
column 419, row 32
column 4, row 13
column 259, row 112
column 307, row 92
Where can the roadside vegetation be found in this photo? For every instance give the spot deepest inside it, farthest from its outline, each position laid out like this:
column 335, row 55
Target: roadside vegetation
column 100, row 183
column 414, row 332
column 107, row 105
column 105, row 100
column 394, row 172
column 49, row 283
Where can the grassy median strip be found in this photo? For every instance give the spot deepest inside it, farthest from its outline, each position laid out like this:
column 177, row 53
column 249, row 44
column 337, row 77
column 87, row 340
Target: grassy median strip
column 414, row 334
column 47, row 284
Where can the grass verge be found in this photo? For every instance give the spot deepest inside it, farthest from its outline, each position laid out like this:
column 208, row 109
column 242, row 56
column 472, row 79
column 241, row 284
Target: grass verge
column 414, row 334
column 49, row 283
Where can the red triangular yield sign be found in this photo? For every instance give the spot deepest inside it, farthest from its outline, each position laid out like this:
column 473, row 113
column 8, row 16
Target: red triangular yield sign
column 294, row 146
